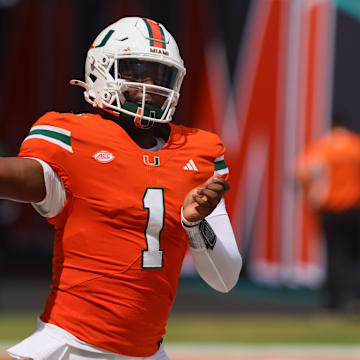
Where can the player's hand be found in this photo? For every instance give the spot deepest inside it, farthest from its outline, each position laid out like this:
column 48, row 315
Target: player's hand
column 202, row 200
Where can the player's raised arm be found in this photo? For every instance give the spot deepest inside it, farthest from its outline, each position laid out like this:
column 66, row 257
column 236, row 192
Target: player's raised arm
column 21, row 179
column 211, row 238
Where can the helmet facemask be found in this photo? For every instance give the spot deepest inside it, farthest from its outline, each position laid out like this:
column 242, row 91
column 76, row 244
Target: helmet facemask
column 140, row 89
column 148, row 89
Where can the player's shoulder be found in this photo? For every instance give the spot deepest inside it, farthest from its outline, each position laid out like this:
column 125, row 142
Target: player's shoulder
column 197, row 136
column 203, row 144
column 77, row 126
column 67, row 120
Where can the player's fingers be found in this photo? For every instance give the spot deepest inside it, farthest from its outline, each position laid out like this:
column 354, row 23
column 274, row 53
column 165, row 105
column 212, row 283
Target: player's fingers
column 222, row 181
column 201, row 200
column 198, row 195
column 212, row 196
column 210, row 180
column 217, row 181
column 214, row 186
column 219, row 188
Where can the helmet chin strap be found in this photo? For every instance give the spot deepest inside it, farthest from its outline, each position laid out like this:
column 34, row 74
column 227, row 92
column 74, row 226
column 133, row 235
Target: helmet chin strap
column 149, row 110
column 142, row 123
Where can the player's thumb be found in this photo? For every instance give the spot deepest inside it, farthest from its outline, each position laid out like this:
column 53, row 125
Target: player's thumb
column 210, row 180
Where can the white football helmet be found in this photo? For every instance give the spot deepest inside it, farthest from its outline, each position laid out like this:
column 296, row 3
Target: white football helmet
column 134, row 53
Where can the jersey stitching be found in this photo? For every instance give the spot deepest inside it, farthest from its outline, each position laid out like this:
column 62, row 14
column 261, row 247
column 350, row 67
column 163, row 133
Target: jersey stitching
column 103, row 275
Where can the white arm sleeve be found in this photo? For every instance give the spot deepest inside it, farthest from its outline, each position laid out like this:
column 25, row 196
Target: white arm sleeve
column 55, row 197
column 220, row 267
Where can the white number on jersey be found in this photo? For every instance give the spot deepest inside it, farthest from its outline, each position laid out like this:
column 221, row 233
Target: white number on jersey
column 153, row 201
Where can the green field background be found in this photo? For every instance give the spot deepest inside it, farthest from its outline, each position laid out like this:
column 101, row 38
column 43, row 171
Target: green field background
column 247, row 329
column 250, row 315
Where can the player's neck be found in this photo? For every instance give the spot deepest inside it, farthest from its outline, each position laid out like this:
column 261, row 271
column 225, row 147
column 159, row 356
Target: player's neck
column 145, row 138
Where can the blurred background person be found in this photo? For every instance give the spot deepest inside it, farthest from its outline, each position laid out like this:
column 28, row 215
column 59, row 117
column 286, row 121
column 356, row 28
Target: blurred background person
column 328, row 171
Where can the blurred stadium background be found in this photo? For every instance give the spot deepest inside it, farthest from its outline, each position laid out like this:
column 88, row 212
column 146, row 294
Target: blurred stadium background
column 267, row 76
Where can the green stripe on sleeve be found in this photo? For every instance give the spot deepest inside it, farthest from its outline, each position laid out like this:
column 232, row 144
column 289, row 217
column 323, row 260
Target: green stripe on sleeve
column 219, row 165
column 52, row 134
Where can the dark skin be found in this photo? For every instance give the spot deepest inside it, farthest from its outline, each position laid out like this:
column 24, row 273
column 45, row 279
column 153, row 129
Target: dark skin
column 145, row 138
column 22, row 179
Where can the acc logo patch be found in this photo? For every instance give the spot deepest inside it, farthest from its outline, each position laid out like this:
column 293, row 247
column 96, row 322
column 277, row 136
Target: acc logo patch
column 104, row 156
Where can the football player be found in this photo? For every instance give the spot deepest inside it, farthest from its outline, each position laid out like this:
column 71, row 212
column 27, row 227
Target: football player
column 128, row 193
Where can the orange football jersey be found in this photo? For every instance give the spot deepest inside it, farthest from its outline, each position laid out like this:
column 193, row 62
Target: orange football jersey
column 329, row 171
column 119, row 244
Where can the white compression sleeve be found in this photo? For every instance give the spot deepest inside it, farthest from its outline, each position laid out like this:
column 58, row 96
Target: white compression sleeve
column 219, row 266
column 55, row 197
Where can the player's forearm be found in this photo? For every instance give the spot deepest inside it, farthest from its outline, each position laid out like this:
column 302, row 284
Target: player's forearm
column 218, row 261
column 21, row 180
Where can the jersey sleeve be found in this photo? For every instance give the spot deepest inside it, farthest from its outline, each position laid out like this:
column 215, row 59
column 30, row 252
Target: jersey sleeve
column 220, row 167
column 49, row 140
column 55, row 198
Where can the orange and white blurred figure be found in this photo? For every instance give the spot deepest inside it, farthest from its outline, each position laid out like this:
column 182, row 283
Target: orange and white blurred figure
column 328, row 171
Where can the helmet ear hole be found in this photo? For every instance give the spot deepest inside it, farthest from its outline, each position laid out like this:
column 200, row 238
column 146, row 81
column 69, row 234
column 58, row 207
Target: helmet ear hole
column 104, row 60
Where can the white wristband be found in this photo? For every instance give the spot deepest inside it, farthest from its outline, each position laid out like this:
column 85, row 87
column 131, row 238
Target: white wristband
column 195, row 239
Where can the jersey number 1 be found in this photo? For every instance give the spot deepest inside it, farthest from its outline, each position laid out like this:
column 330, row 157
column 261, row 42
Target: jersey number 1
column 153, row 201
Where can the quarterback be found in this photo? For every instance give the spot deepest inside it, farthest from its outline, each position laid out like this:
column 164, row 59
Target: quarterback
column 128, row 192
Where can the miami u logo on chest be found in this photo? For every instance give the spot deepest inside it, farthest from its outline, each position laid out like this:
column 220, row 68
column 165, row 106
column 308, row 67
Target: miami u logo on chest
column 151, row 160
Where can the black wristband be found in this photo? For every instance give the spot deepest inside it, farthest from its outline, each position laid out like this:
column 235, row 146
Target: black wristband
column 208, row 234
